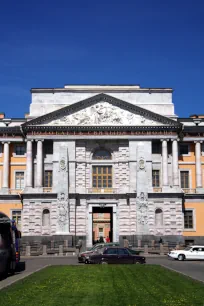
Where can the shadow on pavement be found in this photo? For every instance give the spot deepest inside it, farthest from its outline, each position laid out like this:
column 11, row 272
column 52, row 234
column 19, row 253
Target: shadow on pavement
column 20, row 267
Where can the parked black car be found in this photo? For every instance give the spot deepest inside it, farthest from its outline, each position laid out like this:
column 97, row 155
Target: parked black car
column 116, row 255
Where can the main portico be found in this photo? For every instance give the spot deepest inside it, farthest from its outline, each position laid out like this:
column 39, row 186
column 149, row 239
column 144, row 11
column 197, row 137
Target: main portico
column 94, row 147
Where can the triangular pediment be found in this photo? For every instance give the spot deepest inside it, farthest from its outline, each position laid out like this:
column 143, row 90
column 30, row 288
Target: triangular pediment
column 102, row 110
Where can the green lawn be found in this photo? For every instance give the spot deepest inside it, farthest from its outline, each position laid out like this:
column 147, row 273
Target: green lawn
column 94, row 285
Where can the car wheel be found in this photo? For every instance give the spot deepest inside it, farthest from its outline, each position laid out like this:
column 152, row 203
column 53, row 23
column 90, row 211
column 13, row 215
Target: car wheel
column 137, row 262
column 86, row 261
column 6, row 271
column 181, row 257
column 104, row 263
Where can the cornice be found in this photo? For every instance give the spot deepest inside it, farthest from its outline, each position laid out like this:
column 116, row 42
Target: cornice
column 10, row 130
column 194, row 196
column 102, row 88
column 100, row 128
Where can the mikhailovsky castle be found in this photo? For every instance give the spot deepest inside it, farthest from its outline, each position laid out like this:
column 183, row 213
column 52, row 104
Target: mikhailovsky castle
column 98, row 150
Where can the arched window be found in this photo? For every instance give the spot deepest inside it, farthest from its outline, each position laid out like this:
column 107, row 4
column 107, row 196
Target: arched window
column 46, row 217
column 102, row 154
column 158, row 217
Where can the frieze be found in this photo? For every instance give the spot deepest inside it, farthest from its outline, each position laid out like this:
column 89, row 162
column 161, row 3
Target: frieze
column 98, row 133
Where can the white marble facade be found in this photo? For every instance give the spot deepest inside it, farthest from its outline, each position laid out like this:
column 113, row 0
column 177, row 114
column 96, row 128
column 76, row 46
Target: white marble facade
column 137, row 208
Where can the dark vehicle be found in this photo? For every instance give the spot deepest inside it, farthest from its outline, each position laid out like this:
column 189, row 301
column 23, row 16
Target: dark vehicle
column 134, row 252
column 84, row 256
column 9, row 246
column 116, row 255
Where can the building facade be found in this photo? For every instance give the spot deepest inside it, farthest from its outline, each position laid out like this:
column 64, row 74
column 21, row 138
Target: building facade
column 120, row 151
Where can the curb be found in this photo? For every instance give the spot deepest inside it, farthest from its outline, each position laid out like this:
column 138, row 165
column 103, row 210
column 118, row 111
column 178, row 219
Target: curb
column 22, row 276
column 48, row 256
column 184, row 274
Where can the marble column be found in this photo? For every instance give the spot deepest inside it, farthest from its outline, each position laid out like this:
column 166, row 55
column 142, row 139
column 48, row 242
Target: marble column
column 29, row 164
column 164, row 163
column 198, row 164
column 39, row 179
column 6, row 166
column 175, row 169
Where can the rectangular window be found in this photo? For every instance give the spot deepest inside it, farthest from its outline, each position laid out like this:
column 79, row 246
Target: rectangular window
column 155, row 178
column 156, row 147
column 184, row 179
column 48, row 147
column 183, row 149
column 20, row 149
column 202, row 148
column 188, row 219
column 102, row 176
column 1, row 148
column 16, row 215
column 19, row 179
column 48, row 178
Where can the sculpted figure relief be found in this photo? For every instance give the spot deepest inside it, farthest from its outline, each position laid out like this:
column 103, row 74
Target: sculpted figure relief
column 103, row 113
column 62, row 210
column 142, row 203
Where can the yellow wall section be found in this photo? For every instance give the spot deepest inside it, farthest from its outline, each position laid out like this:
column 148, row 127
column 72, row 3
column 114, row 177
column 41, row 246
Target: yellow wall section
column 199, row 213
column 7, row 207
column 192, row 168
column 190, row 158
column 12, row 174
column 192, row 181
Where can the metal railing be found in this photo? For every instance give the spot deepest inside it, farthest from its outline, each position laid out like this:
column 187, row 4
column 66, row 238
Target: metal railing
column 102, row 190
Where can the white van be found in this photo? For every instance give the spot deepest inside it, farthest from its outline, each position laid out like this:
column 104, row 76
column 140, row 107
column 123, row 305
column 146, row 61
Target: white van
column 194, row 252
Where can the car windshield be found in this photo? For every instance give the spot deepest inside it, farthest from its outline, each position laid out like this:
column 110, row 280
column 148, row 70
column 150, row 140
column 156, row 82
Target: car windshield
column 188, row 248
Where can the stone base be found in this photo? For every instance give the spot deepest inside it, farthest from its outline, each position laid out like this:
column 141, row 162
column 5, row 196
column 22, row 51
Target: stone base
column 196, row 240
column 4, row 190
column 33, row 190
column 45, row 240
column 200, row 190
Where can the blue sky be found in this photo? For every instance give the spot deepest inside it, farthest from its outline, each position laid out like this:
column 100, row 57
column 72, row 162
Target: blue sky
column 52, row 43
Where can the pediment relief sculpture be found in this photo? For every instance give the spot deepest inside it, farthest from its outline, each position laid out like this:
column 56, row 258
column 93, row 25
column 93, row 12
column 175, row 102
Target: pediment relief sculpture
column 104, row 113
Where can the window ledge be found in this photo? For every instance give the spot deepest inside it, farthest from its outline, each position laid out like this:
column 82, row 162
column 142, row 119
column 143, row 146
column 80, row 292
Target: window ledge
column 189, row 230
column 15, row 155
column 181, row 155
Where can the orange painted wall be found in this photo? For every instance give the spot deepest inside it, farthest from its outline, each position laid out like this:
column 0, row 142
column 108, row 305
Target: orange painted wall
column 13, row 168
column 7, row 207
column 192, row 180
column 12, row 174
column 190, row 158
column 199, row 216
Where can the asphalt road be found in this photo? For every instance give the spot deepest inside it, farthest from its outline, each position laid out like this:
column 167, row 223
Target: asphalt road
column 194, row 269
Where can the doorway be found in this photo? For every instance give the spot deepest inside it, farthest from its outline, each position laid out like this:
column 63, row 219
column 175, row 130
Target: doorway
column 102, row 224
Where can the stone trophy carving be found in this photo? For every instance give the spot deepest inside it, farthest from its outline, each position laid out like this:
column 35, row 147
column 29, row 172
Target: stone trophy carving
column 142, row 204
column 104, row 113
column 62, row 211
column 62, row 164
column 141, row 163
